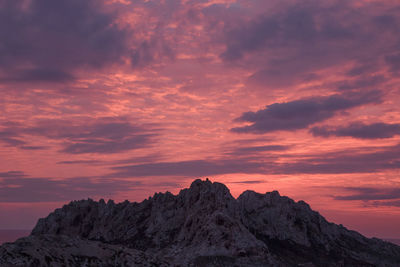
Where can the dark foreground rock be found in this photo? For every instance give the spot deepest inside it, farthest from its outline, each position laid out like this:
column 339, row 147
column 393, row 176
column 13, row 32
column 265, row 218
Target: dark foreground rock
column 201, row 226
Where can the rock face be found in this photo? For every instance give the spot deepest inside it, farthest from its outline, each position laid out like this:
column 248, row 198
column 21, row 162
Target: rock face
column 201, row 226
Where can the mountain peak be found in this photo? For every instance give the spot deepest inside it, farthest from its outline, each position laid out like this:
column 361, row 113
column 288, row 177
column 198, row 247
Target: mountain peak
column 207, row 185
column 201, row 226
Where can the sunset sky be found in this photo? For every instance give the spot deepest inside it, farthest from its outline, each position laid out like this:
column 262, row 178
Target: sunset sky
column 122, row 98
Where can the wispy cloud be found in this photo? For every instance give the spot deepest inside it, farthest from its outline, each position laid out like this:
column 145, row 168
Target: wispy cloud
column 102, row 135
column 346, row 161
column 192, row 168
column 32, row 189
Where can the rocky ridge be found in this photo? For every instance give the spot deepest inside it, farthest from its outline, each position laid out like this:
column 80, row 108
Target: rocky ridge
column 201, row 226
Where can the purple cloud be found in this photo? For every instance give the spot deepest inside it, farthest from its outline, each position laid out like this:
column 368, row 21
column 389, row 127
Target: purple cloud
column 10, row 138
column 394, row 203
column 89, row 162
column 359, row 130
column 101, row 136
column 249, row 182
column 16, row 186
column 28, row 189
column 350, row 161
column 347, row 161
column 12, row 174
column 42, row 40
column 252, row 150
column 370, row 193
column 287, row 42
column 191, row 168
column 393, row 61
column 361, row 83
column 300, row 114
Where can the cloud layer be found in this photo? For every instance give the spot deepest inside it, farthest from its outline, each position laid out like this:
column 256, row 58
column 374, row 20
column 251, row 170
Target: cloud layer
column 116, row 95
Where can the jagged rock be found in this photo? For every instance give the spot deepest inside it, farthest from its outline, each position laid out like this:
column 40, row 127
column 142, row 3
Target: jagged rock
column 201, row 226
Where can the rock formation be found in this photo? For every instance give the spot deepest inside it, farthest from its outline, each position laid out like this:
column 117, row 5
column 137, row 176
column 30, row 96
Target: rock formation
column 201, row 226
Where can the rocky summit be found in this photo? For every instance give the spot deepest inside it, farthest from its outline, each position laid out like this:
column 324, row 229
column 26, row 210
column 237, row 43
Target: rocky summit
column 201, row 226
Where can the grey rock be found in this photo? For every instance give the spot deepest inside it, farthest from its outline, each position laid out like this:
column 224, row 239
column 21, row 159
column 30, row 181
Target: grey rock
column 201, row 226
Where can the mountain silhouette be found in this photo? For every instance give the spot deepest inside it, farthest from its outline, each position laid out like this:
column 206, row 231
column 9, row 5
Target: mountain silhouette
column 201, row 226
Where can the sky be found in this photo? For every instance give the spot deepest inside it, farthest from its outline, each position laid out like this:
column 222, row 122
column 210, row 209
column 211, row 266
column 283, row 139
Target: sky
column 124, row 98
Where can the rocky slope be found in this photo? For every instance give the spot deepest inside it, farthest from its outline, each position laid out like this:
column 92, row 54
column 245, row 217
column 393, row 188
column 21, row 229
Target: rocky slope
column 201, row 226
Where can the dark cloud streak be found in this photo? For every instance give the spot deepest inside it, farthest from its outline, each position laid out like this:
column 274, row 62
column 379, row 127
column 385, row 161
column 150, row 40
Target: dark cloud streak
column 349, row 161
column 21, row 189
column 346, row 161
column 359, row 130
column 300, row 114
column 101, row 136
column 370, row 193
column 191, row 168
column 394, row 203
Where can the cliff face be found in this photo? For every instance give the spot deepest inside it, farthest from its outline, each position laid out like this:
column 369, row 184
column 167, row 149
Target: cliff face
column 201, row 226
